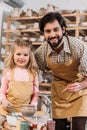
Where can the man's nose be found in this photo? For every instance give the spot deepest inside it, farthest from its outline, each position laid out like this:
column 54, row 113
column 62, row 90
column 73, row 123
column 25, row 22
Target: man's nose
column 52, row 33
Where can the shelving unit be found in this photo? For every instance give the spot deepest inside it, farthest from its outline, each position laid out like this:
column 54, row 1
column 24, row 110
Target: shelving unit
column 72, row 25
column 32, row 32
column 73, row 21
column 22, row 20
column 77, row 26
column 45, row 96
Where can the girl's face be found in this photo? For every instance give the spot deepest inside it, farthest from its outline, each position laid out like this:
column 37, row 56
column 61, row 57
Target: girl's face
column 21, row 56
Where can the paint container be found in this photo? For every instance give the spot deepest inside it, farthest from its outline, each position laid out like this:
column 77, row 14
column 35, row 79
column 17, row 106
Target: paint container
column 50, row 125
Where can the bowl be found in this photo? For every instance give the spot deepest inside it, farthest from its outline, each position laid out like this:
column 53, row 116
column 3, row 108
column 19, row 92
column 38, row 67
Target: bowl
column 11, row 120
column 28, row 110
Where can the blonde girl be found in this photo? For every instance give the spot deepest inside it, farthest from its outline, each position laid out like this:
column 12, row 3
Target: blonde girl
column 19, row 84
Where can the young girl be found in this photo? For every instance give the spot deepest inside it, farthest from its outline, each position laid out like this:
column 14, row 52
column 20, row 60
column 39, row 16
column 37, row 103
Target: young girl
column 19, row 83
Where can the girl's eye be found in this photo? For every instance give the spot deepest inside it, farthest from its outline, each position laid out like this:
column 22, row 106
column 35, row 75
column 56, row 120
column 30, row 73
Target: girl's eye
column 18, row 54
column 25, row 54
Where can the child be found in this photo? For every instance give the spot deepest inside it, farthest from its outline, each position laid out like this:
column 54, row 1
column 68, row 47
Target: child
column 19, row 84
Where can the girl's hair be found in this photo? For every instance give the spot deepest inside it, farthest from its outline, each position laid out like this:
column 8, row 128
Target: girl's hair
column 9, row 61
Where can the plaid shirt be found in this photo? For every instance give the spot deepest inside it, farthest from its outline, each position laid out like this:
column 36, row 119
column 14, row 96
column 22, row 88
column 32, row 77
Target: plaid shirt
column 75, row 46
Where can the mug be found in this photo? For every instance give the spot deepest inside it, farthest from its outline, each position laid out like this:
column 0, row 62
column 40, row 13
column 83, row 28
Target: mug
column 50, row 125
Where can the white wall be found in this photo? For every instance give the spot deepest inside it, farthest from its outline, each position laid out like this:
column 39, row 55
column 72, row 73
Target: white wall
column 62, row 4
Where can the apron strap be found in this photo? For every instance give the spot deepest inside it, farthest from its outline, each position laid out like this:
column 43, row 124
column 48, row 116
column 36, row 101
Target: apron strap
column 12, row 74
column 31, row 77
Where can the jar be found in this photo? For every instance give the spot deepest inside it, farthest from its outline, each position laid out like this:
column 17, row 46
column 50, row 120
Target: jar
column 41, row 38
column 56, row 9
column 36, row 25
column 50, row 125
column 50, row 8
column 42, row 11
column 34, row 126
column 24, row 125
column 44, row 127
column 29, row 12
column 16, row 12
column 41, row 126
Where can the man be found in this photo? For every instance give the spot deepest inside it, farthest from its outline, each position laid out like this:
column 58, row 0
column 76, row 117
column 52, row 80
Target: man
column 66, row 57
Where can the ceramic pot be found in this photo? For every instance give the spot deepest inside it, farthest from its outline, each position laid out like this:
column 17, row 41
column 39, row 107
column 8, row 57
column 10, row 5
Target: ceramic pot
column 16, row 12
column 50, row 8
column 29, row 12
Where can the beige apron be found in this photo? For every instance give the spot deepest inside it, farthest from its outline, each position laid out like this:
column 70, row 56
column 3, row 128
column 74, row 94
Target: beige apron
column 66, row 104
column 19, row 93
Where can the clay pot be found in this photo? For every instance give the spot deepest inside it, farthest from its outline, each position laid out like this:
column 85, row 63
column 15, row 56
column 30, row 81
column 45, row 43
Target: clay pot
column 16, row 12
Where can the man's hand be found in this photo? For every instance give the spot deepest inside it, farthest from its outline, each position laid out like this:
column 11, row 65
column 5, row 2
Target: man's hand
column 74, row 87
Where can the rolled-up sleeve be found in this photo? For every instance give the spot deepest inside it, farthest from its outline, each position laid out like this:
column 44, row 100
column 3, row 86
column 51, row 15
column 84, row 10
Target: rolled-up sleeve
column 83, row 62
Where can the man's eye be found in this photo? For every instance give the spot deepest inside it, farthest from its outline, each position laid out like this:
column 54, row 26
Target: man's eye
column 47, row 31
column 56, row 29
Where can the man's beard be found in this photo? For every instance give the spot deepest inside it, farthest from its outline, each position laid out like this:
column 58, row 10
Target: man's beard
column 55, row 45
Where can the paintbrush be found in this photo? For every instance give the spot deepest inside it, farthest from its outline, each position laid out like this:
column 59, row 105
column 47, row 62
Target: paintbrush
column 64, row 89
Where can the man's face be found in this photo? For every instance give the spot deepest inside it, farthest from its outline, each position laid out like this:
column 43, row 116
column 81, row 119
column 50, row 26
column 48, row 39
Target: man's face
column 53, row 33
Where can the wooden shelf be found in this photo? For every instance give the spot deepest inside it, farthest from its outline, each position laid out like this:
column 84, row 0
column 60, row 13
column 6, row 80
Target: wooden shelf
column 45, row 84
column 10, row 43
column 37, row 30
column 24, row 18
column 74, row 14
column 33, row 30
column 45, row 92
column 72, row 21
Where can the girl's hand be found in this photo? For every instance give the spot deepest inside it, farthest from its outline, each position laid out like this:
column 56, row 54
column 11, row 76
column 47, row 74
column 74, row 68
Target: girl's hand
column 6, row 103
column 74, row 87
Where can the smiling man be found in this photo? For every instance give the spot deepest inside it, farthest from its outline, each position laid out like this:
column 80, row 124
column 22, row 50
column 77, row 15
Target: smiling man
column 66, row 57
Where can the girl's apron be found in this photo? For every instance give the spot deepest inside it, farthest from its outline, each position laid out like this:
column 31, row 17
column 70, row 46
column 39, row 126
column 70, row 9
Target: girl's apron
column 66, row 104
column 19, row 93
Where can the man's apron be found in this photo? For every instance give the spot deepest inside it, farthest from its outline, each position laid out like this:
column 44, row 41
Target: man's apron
column 66, row 104
column 19, row 93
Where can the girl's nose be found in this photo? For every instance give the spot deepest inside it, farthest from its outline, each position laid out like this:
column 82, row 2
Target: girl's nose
column 22, row 57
